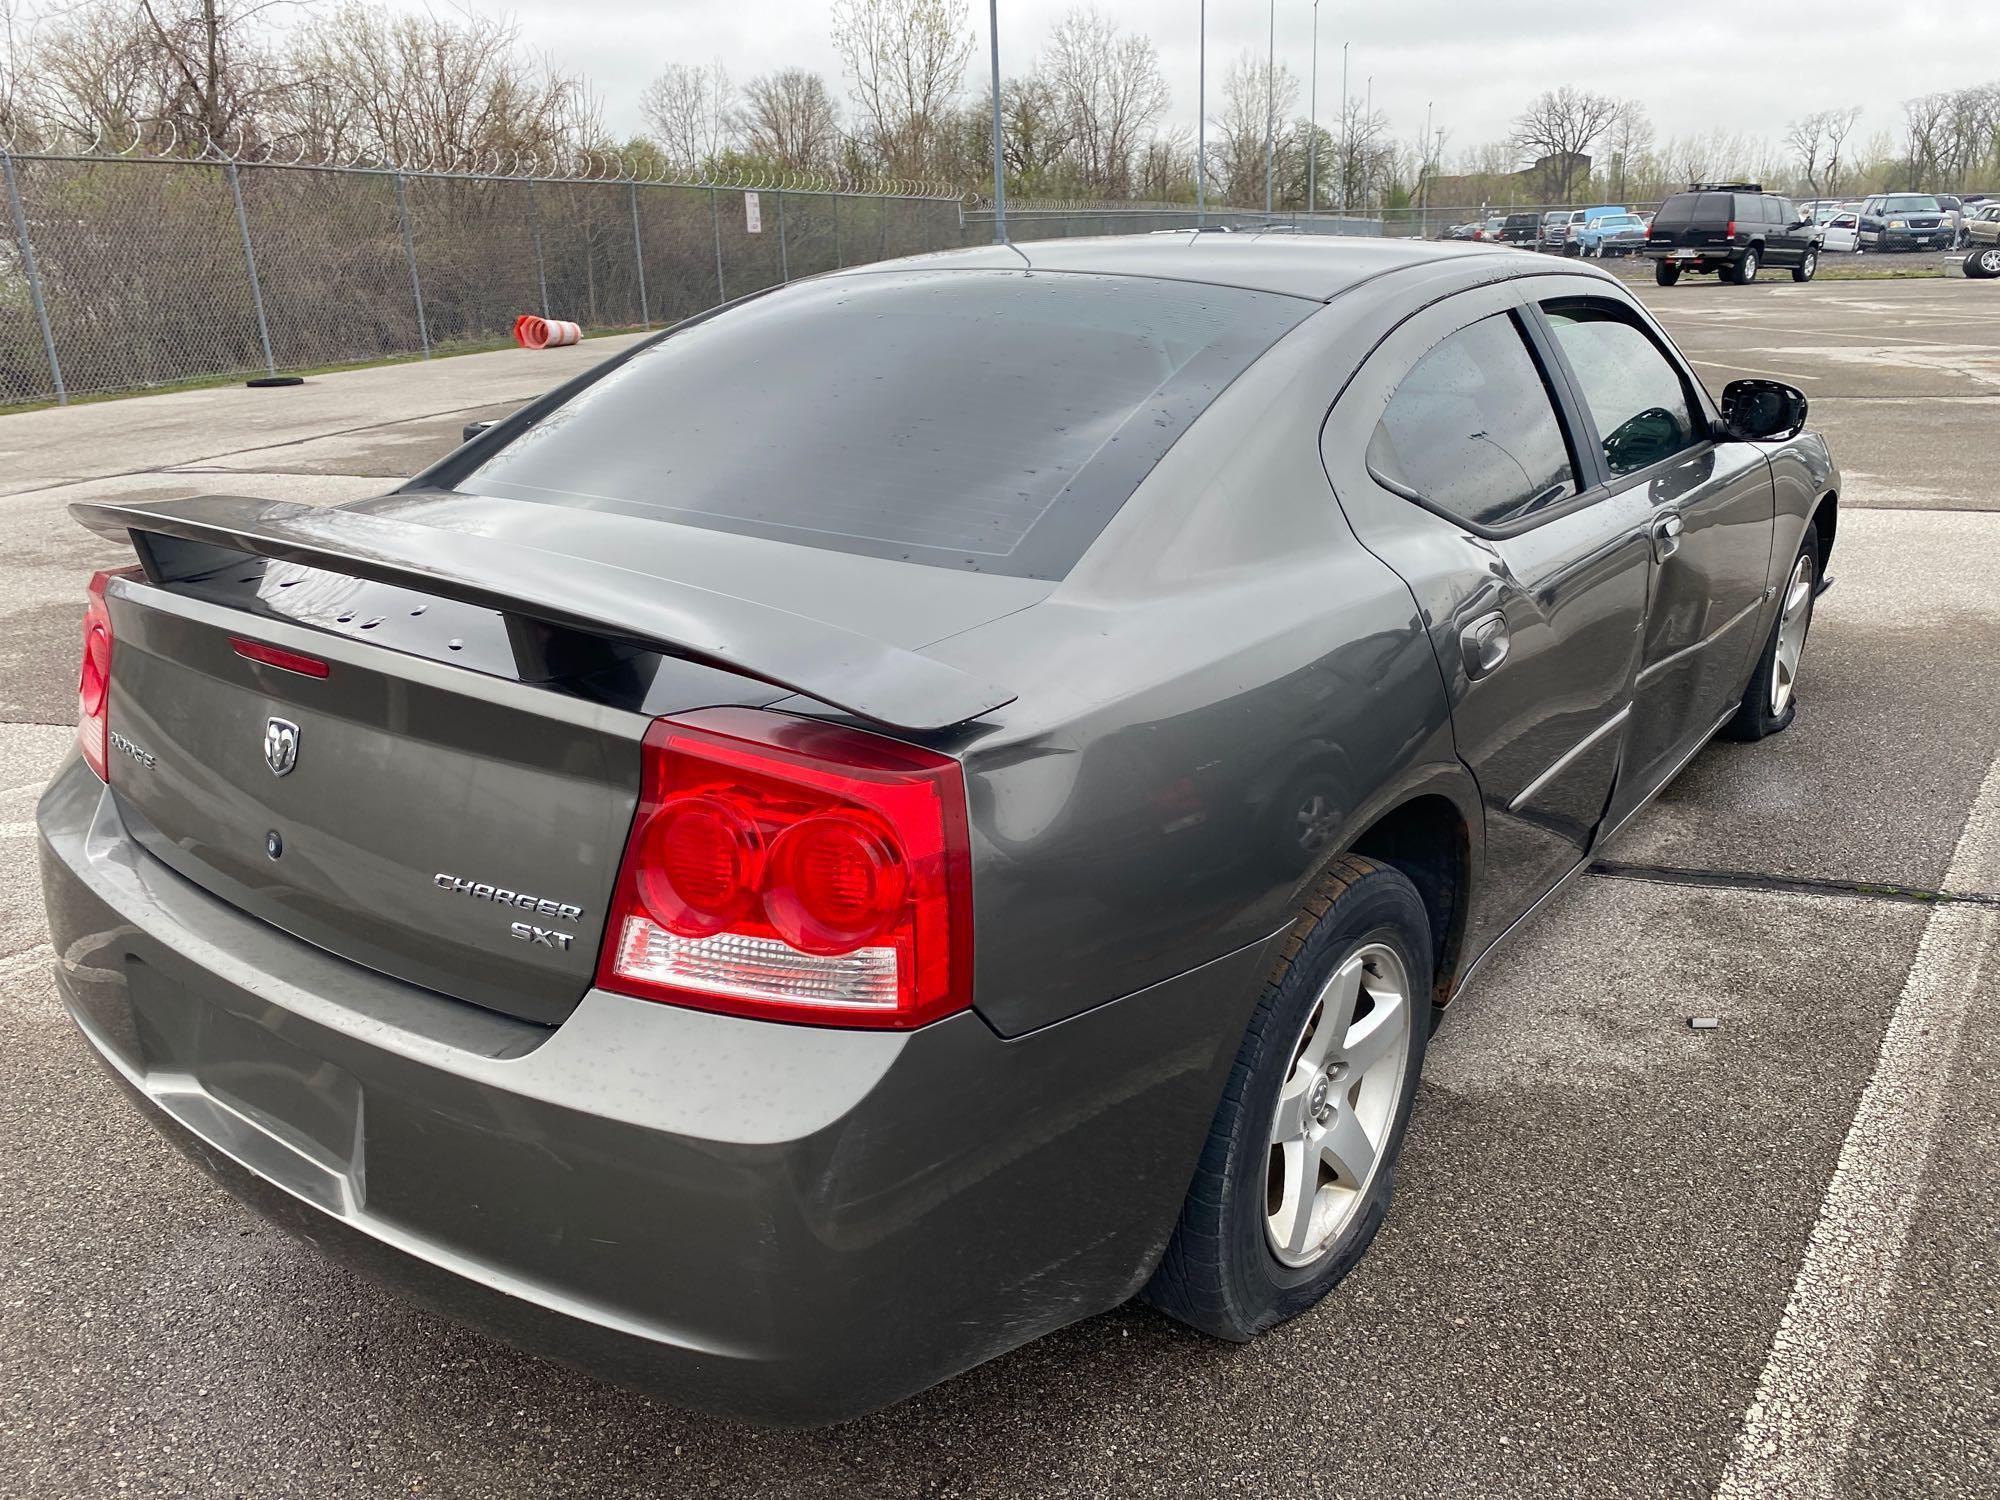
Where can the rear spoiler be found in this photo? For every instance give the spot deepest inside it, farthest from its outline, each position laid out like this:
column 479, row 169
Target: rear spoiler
column 869, row 678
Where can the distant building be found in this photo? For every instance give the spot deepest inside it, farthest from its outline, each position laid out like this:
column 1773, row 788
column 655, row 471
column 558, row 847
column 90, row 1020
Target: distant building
column 1540, row 183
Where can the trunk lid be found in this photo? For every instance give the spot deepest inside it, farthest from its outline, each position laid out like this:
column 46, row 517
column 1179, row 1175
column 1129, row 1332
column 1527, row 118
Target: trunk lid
column 450, row 801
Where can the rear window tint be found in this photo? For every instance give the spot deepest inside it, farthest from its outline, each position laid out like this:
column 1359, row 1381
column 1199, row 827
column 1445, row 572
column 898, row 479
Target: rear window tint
column 1694, row 208
column 985, row 420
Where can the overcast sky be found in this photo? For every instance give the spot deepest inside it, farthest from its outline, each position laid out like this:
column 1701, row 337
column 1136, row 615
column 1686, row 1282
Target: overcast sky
column 1743, row 68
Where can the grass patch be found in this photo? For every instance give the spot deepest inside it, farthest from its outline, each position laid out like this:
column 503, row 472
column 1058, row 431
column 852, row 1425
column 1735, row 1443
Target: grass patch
column 237, row 377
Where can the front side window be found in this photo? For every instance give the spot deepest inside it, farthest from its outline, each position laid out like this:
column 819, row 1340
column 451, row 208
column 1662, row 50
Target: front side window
column 1636, row 397
column 1472, row 430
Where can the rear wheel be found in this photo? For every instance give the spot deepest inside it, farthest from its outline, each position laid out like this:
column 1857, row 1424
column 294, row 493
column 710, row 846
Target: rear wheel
column 1745, row 270
column 1665, row 272
column 1771, row 699
column 1300, row 1161
column 1803, row 271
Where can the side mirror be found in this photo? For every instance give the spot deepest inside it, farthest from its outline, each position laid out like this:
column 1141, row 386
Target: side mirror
column 1762, row 411
column 472, row 430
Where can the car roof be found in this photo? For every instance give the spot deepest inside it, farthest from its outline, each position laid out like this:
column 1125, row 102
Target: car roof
column 1319, row 266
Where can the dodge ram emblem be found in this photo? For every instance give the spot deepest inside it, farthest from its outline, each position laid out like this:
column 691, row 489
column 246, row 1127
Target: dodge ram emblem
column 281, row 746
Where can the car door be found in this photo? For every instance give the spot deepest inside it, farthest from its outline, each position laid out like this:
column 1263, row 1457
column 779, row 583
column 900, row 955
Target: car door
column 1842, row 233
column 1451, row 460
column 1711, row 514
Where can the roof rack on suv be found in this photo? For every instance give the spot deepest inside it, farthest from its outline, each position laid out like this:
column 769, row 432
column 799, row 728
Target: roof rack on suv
column 1725, row 187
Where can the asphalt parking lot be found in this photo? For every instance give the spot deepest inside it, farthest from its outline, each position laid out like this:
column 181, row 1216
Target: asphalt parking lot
column 1626, row 1257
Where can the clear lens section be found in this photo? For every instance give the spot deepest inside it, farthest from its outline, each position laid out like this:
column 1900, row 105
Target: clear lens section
column 755, row 967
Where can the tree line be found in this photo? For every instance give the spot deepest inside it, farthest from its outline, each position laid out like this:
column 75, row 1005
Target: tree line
column 1087, row 119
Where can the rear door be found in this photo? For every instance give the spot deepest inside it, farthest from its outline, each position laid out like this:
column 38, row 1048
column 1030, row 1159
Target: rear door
column 1452, row 465
column 1709, row 509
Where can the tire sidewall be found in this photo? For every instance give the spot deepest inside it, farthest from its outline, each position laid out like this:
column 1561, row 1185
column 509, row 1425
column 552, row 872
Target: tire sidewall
column 1383, row 908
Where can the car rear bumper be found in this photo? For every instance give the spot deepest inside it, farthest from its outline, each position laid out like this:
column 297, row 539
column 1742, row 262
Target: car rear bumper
column 790, row 1224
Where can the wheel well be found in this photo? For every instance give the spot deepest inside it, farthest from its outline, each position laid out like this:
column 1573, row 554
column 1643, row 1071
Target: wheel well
column 1825, row 520
column 1426, row 839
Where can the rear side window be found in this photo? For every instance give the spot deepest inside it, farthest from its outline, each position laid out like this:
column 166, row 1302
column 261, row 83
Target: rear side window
column 985, row 420
column 1636, row 398
column 1472, row 431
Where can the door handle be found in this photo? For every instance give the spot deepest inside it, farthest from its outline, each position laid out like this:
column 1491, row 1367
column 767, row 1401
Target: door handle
column 1667, row 531
column 1485, row 644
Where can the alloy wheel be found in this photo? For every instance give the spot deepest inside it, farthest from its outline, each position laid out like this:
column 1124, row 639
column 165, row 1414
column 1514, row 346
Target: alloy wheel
column 1338, row 1104
column 1791, row 633
column 1989, row 261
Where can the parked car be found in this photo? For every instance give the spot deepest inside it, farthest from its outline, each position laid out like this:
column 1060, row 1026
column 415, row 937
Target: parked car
column 1905, row 221
column 1610, row 235
column 1520, row 229
column 781, row 943
column 1841, row 233
column 1733, row 230
column 1982, row 234
column 1550, row 234
column 1575, row 221
column 1466, row 231
column 1493, row 230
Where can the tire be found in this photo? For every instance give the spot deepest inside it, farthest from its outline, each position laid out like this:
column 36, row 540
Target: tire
column 1666, row 273
column 1745, row 270
column 1804, row 270
column 1362, row 940
column 1770, row 700
column 1983, row 264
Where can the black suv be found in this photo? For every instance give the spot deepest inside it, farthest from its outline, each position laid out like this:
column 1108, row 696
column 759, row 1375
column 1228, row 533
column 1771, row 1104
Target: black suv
column 1521, row 229
column 1732, row 228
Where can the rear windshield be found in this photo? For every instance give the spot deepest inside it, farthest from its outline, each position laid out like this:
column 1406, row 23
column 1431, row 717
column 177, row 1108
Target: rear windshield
column 1695, row 208
column 985, row 420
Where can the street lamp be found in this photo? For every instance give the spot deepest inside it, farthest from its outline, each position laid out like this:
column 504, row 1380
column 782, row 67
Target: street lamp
column 1312, row 125
column 1201, row 119
column 999, row 160
column 1270, row 109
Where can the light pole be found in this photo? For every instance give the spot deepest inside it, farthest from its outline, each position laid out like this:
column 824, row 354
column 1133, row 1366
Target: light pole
column 999, row 159
column 1271, row 108
column 1201, row 120
column 1367, row 159
column 1345, row 159
column 1312, row 125
column 1424, row 180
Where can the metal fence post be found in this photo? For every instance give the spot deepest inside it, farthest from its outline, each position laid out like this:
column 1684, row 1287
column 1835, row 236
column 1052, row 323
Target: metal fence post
column 839, row 257
column 250, row 261
column 34, row 278
column 639, row 256
column 410, row 252
column 535, row 231
column 715, row 221
column 784, row 259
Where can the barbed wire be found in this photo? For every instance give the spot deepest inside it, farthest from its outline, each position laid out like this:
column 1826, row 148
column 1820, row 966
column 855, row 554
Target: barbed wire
column 164, row 142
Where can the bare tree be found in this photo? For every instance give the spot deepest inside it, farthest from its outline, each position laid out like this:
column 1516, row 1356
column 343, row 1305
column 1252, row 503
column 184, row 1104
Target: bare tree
column 1236, row 141
column 790, row 119
column 692, row 109
column 1166, row 167
column 1559, row 128
column 1628, row 138
column 410, row 88
column 1110, row 93
column 905, row 62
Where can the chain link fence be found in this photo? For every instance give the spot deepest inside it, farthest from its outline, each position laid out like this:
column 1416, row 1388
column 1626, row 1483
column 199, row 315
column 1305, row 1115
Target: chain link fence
column 120, row 273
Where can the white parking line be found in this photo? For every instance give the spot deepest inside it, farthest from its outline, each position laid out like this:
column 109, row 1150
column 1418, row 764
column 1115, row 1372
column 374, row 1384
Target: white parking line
column 1795, row 1436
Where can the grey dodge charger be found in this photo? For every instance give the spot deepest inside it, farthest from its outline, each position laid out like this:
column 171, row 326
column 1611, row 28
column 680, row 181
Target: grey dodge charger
column 917, row 806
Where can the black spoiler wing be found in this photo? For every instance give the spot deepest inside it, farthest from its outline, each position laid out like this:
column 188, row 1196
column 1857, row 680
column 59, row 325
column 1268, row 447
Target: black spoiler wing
column 869, row 678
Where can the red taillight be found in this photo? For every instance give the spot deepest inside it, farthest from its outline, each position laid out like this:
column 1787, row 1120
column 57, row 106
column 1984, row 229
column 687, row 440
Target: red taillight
column 784, row 868
column 279, row 657
column 93, row 680
column 1731, row 231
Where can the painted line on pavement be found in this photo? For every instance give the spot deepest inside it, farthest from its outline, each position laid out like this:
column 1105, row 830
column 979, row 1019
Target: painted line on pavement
column 1794, row 1439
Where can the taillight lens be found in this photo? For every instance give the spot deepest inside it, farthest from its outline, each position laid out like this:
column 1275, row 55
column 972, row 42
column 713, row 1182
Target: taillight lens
column 784, row 868
column 1732, row 229
column 93, row 679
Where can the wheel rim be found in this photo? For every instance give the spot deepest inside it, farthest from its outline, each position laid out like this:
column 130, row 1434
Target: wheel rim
column 1337, row 1104
column 1314, row 823
column 1989, row 262
column 1750, row 266
column 1791, row 634
column 1812, row 264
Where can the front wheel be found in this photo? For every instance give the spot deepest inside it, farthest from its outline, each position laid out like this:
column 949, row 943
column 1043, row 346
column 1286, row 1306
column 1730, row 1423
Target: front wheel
column 1296, row 1175
column 1666, row 273
column 1803, row 271
column 1771, row 699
